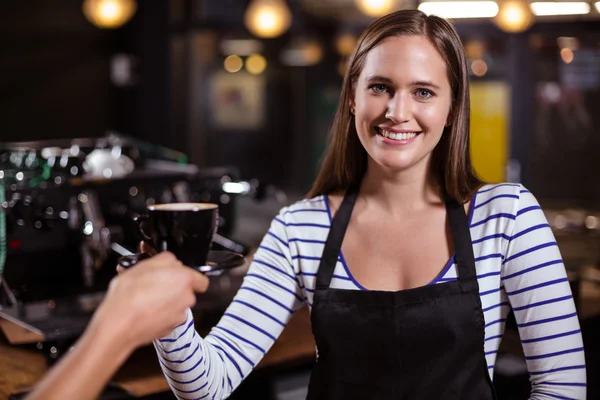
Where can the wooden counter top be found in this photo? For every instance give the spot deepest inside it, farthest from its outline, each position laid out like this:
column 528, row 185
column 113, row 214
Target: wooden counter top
column 22, row 367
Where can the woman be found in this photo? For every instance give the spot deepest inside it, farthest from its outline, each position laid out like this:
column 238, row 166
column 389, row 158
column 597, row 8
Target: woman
column 408, row 263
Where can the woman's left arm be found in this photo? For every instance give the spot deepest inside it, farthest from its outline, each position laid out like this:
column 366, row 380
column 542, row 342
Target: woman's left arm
column 535, row 280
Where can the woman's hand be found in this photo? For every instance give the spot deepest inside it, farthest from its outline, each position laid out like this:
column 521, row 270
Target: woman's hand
column 149, row 300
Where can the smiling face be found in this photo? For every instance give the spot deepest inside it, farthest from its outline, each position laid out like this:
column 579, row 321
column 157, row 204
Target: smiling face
column 402, row 101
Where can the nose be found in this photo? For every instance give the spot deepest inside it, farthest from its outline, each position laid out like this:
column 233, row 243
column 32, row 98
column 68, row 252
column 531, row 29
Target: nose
column 399, row 109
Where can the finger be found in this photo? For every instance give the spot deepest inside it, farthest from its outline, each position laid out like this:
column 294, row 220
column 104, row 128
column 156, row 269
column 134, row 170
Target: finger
column 160, row 261
column 166, row 257
column 120, row 269
column 199, row 281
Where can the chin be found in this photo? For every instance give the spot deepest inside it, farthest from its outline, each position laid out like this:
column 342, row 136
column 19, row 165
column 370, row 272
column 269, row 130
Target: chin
column 394, row 163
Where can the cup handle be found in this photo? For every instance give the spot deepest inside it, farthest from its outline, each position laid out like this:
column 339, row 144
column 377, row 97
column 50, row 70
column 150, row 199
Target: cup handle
column 139, row 220
column 131, row 260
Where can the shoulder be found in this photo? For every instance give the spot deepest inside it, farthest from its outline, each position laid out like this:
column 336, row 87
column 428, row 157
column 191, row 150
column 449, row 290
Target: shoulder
column 494, row 189
column 501, row 201
column 498, row 197
column 315, row 210
column 318, row 203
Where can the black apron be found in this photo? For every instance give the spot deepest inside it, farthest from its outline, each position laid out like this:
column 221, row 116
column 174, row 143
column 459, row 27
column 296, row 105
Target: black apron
column 422, row 343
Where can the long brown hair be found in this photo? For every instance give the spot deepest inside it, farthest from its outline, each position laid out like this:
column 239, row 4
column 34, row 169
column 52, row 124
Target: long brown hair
column 345, row 160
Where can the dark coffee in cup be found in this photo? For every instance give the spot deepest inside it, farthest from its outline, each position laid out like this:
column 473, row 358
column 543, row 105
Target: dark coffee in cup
column 184, row 229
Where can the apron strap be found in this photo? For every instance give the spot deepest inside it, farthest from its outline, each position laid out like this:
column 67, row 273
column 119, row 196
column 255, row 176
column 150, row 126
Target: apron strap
column 461, row 237
column 335, row 238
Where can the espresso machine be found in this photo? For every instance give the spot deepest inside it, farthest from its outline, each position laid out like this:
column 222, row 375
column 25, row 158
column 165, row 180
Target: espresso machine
column 66, row 216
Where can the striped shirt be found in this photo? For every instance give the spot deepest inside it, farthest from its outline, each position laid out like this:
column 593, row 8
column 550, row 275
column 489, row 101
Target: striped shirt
column 518, row 264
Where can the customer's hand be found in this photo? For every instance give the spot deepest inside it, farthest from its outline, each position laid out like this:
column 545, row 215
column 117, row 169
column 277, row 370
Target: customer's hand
column 144, row 248
column 149, row 300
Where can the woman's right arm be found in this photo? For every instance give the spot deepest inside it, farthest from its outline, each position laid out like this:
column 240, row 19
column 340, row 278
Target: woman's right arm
column 213, row 367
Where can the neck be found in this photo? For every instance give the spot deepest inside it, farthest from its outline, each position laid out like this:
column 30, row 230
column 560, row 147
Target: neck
column 400, row 192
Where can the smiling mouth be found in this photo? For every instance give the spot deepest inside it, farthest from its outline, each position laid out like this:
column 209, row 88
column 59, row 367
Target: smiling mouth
column 396, row 136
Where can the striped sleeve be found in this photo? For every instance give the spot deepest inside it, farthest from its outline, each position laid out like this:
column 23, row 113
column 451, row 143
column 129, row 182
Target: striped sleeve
column 538, row 290
column 213, row 367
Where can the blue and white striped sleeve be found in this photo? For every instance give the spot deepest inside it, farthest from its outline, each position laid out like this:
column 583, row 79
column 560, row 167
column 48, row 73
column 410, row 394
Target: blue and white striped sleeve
column 213, row 367
column 536, row 283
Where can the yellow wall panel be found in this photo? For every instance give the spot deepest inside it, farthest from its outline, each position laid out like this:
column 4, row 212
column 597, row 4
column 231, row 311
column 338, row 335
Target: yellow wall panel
column 490, row 129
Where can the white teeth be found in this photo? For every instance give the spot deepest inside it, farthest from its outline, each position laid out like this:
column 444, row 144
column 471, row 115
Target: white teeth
column 397, row 136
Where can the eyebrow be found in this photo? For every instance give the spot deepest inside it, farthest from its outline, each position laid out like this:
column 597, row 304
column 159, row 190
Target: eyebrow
column 421, row 83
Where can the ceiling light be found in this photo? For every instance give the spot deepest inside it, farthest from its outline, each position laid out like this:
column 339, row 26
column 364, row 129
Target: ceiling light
column 560, row 8
column 460, row 9
column 109, row 13
column 268, row 18
column 375, row 8
column 514, row 16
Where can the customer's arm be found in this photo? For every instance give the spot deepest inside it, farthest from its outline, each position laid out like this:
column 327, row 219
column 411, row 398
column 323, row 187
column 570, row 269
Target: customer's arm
column 141, row 304
column 535, row 280
column 83, row 373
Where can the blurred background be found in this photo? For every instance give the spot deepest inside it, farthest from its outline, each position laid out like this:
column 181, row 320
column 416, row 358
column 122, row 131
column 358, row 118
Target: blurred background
column 237, row 97
column 206, row 78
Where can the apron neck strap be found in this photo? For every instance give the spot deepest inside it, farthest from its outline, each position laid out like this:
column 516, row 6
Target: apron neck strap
column 461, row 237
column 333, row 245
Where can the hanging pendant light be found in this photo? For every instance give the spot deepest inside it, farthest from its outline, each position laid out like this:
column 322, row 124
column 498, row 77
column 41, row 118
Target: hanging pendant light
column 375, row 8
column 514, row 16
column 268, row 18
column 108, row 14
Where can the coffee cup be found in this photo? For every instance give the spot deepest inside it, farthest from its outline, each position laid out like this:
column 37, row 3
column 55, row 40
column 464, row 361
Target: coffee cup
column 184, row 229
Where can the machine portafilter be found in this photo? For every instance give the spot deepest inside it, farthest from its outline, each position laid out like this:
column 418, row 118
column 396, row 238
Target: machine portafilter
column 97, row 237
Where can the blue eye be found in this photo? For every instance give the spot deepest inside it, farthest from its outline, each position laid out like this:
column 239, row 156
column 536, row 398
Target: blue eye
column 424, row 94
column 378, row 88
